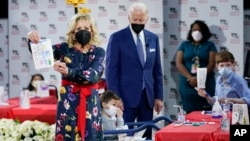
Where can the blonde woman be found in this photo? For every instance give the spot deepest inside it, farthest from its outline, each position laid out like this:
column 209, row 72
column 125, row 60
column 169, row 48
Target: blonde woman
column 80, row 61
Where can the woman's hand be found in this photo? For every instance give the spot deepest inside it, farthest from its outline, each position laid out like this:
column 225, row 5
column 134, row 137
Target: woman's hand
column 61, row 67
column 34, row 36
column 193, row 81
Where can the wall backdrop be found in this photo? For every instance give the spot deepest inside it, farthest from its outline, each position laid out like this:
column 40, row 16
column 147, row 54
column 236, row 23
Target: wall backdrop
column 169, row 19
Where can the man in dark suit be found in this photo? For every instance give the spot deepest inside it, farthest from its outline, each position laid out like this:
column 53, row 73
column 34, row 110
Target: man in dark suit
column 136, row 77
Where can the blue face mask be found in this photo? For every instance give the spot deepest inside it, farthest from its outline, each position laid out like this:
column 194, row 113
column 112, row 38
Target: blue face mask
column 225, row 71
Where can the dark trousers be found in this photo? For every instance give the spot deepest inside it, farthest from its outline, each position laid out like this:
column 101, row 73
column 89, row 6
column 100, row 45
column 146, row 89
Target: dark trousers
column 142, row 113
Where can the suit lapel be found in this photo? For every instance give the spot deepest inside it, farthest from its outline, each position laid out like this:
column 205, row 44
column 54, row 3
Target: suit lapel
column 131, row 43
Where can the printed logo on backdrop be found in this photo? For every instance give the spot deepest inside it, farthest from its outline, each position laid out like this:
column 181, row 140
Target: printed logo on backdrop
column 165, row 79
column 214, row 38
column 62, row 39
column 154, row 23
column 52, row 4
column 33, row 4
column 181, row 2
column 102, row 11
column 1, row 28
column 165, row 53
column 7, row 64
column 1, row 52
column 1, row 76
column 103, row 37
column 234, row 39
column 202, row 1
column 246, row 47
column 223, row 48
column 224, row 24
column 173, row 40
column 25, row 67
column 14, row 30
column 173, row 14
column 213, row 11
column 165, row 26
column 43, row 16
column 24, row 42
column 113, row 24
column 173, row 93
column 183, row 26
column 14, row 5
column 33, row 27
column 6, row 40
column 235, row 10
column 62, row 16
column 15, row 79
column 173, row 66
column 165, row 106
column 52, row 29
column 122, row 10
column 193, row 12
column 247, row 20
column 24, row 17
column 15, row 55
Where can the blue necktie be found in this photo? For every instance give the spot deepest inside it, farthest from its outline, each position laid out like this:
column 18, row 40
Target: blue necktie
column 141, row 55
column 140, row 49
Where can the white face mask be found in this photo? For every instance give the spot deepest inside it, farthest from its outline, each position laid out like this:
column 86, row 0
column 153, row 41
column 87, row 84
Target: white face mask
column 111, row 111
column 225, row 71
column 197, row 36
column 35, row 83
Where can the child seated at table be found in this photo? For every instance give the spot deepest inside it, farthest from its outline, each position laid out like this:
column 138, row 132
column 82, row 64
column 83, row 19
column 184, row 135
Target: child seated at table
column 229, row 86
column 111, row 114
column 32, row 86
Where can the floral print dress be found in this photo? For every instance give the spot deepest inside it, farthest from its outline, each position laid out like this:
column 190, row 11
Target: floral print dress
column 85, row 69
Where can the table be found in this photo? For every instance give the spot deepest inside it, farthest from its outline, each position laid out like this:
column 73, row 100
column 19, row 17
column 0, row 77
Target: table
column 6, row 111
column 40, row 112
column 207, row 132
column 38, row 100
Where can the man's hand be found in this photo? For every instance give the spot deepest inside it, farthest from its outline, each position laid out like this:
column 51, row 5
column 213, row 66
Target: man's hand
column 158, row 105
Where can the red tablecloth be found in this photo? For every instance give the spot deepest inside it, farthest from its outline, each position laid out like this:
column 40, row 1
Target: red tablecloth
column 40, row 112
column 207, row 132
column 187, row 133
column 38, row 100
column 6, row 112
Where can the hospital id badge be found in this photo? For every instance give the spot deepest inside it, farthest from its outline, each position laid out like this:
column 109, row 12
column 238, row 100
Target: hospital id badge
column 194, row 68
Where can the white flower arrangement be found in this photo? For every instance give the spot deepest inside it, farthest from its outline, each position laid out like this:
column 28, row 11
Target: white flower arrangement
column 11, row 130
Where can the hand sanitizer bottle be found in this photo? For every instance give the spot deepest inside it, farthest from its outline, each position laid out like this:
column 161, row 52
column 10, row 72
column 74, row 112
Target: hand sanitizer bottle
column 225, row 122
column 217, row 109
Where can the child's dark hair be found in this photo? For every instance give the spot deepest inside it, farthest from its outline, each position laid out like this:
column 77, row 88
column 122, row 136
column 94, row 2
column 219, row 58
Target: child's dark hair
column 224, row 56
column 108, row 95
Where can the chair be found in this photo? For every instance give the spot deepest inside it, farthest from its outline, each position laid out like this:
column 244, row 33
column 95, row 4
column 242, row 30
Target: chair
column 53, row 91
column 139, row 126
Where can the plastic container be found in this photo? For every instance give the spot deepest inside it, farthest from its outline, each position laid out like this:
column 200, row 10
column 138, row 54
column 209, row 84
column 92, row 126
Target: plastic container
column 217, row 109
